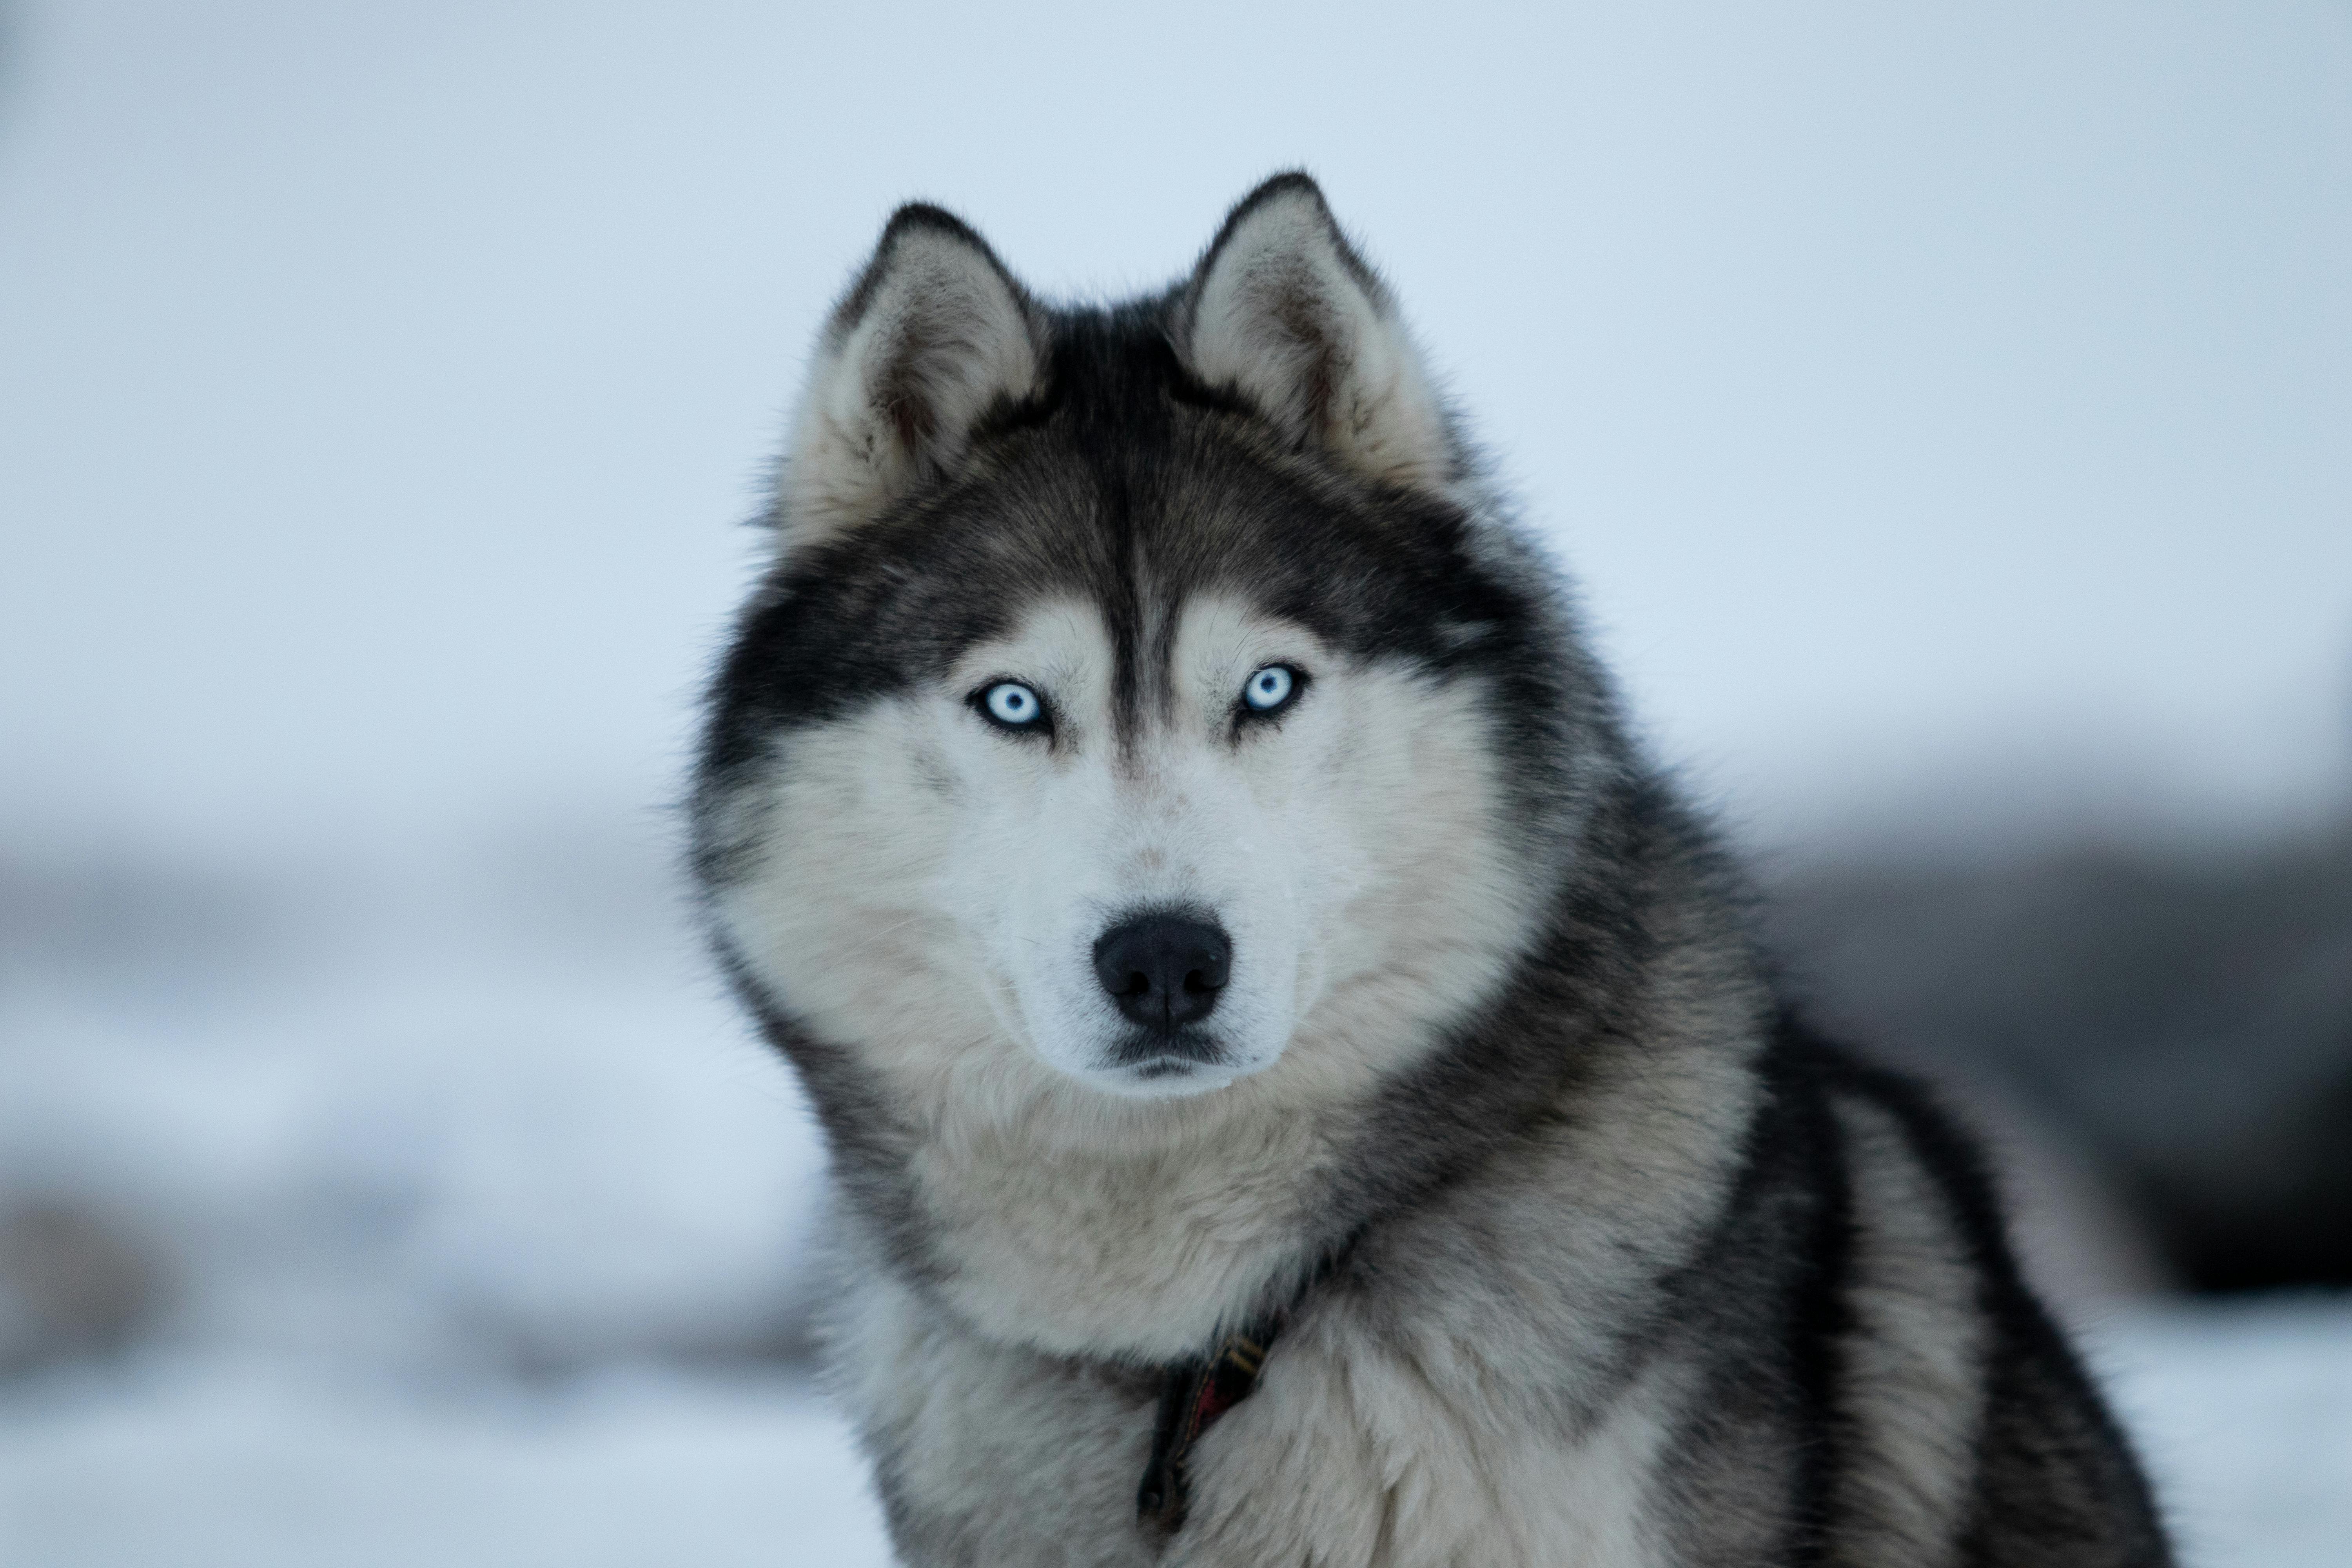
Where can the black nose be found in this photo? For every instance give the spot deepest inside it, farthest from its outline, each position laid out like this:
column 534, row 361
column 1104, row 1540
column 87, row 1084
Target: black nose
column 1164, row 970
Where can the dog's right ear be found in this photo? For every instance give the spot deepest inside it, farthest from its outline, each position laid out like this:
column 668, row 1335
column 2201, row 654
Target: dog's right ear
column 934, row 336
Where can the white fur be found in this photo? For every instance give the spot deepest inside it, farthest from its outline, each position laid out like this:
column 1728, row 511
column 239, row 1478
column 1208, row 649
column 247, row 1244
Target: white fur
column 989, row 1435
column 933, row 889
column 1464, row 1417
column 1350, row 1455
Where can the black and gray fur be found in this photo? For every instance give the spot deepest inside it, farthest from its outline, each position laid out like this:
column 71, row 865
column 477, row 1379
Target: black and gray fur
column 1597, row 1255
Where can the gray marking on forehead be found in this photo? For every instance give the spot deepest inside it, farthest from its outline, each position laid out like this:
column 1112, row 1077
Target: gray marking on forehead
column 1123, row 604
column 1167, row 616
column 1147, row 652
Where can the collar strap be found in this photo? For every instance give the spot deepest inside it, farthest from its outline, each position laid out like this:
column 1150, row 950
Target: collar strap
column 1192, row 1397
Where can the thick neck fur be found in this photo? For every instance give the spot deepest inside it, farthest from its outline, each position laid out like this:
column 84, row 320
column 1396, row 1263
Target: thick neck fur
column 1138, row 1231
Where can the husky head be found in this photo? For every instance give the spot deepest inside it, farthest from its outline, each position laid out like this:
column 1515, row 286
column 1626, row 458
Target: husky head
column 1143, row 702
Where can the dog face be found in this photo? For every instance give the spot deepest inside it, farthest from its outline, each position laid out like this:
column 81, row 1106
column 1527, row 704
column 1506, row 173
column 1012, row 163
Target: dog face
column 1145, row 886
column 1148, row 893
column 1126, row 711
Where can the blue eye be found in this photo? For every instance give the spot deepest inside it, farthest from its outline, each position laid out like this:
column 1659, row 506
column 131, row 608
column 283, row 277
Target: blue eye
column 1012, row 705
column 1270, row 687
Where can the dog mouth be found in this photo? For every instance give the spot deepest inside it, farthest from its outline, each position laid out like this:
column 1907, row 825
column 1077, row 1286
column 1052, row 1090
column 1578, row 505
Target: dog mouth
column 1164, row 1053
column 1154, row 1065
column 1159, row 1068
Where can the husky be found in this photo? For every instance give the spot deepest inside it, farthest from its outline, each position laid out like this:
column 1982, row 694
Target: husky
column 1302, row 1090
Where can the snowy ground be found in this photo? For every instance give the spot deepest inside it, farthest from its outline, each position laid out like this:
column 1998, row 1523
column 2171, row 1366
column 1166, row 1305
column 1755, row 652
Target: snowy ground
column 225, row 1468
column 2245, row 1412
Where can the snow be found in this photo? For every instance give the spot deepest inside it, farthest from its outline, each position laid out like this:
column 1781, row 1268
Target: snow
column 2245, row 1412
column 239, row 1467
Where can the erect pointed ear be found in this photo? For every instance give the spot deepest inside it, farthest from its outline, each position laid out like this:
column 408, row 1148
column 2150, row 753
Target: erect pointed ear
column 933, row 337
column 1283, row 311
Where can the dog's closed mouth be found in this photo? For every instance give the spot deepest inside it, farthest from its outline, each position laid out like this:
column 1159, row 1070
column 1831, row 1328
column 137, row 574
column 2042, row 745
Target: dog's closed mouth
column 1164, row 1066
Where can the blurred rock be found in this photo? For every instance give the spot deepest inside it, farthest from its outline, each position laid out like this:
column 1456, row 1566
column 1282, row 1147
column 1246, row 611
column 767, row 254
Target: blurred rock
column 2182, row 1017
column 73, row 1283
column 147, row 932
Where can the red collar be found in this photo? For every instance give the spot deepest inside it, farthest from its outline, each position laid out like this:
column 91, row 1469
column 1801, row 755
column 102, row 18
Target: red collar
column 1195, row 1395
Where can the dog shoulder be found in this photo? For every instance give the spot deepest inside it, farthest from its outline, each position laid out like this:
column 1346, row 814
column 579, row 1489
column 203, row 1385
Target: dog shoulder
column 1976, row 1433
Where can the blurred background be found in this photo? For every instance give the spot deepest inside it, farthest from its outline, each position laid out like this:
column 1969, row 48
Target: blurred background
column 1947, row 412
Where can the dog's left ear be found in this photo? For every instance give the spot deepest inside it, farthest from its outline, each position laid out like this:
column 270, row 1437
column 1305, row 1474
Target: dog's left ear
column 1283, row 312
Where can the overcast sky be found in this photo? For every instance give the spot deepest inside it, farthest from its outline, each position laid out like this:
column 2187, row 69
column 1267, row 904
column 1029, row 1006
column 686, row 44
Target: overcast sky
column 1936, row 404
